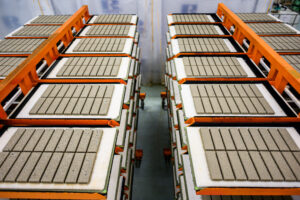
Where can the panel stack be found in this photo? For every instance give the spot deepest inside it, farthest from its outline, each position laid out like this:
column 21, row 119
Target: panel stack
column 23, row 41
column 69, row 131
column 282, row 37
column 222, row 110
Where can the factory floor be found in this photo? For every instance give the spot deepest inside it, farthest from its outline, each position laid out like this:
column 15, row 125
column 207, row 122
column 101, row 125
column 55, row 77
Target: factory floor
column 153, row 179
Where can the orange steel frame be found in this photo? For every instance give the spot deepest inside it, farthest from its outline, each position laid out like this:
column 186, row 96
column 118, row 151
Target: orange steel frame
column 26, row 78
column 281, row 74
column 25, row 75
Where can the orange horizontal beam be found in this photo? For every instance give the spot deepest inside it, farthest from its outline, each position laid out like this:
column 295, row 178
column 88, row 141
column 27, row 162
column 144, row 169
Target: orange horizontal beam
column 82, row 81
column 278, row 35
column 208, row 54
column 59, row 122
column 249, row 191
column 278, row 22
column 249, row 120
column 78, row 37
column 288, row 53
column 50, row 195
column 220, row 79
column 207, row 36
column 94, row 55
column 111, row 24
column 195, row 23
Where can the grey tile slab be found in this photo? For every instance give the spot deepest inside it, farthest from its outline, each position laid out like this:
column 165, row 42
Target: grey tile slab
column 51, row 168
column 278, row 140
column 6, row 166
column 198, row 105
column 19, row 46
column 96, row 106
column 63, row 168
column 206, row 139
column 237, row 139
column 75, row 168
column 51, row 139
column 258, row 140
column 84, row 141
column 288, row 139
column 50, row 19
column 87, row 168
column 34, row 140
column 71, row 105
column 74, row 140
column 293, row 163
column 225, row 166
column 40, row 168
column 227, row 139
column 35, row 31
column 104, row 106
column 215, row 105
column 95, row 141
column 260, row 166
column 29, row 166
column 213, row 166
column 3, row 156
column 248, row 166
column 268, row 139
column 23, row 140
column 272, row 166
column 43, row 109
column 207, row 105
column 64, row 140
column 237, row 166
column 14, row 140
column 17, row 167
column 255, row 17
column 248, row 140
column 217, row 139
column 224, row 105
column 283, row 166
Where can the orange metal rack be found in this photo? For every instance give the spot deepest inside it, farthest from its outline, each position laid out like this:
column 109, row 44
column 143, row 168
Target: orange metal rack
column 25, row 77
column 281, row 75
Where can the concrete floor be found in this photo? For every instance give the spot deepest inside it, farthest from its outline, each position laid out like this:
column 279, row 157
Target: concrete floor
column 153, row 180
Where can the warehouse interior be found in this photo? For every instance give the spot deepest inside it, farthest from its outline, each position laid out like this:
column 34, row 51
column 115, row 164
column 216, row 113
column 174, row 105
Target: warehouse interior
column 150, row 99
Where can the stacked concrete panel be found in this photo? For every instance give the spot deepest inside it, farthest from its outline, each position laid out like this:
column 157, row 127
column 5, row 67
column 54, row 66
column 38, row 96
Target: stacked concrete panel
column 207, row 77
column 73, row 158
column 257, row 17
column 34, row 31
column 49, row 19
column 282, row 37
column 27, row 38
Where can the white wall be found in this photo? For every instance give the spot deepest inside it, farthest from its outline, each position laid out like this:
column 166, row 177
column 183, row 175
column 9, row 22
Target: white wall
column 152, row 23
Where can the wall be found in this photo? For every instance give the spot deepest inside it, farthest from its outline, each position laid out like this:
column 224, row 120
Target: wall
column 152, row 20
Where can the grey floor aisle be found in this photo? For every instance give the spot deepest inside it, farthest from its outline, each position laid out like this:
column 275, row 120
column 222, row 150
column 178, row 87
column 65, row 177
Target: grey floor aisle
column 153, row 180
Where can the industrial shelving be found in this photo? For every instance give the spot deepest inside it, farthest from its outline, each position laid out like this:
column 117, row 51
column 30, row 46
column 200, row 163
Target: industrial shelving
column 225, row 96
column 90, row 99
